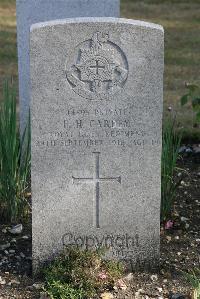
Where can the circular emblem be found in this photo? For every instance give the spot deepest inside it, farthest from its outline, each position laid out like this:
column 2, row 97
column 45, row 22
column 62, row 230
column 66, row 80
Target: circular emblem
column 98, row 69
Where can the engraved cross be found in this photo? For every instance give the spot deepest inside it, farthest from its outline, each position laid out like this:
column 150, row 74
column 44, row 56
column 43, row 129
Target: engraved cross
column 96, row 180
column 97, row 67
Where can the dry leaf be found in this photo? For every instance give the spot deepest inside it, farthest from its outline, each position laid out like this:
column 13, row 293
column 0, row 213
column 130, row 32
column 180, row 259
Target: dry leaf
column 107, row 295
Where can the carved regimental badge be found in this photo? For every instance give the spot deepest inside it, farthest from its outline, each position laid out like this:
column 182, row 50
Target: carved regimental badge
column 98, row 69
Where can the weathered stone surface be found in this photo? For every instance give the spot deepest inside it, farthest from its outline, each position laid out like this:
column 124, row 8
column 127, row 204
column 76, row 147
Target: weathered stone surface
column 34, row 11
column 97, row 88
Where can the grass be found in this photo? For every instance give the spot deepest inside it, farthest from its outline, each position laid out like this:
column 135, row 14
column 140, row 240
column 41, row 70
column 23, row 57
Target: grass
column 14, row 160
column 181, row 20
column 8, row 46
column 170, row 154
column 193, row 277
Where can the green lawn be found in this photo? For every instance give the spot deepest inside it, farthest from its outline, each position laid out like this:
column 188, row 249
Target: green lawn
column 8, row 49
column 181, row 21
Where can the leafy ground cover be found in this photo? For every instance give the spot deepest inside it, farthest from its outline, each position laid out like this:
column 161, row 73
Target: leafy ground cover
column 181, row 20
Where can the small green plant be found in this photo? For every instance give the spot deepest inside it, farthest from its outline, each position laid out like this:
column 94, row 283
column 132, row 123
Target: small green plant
column 193, row 95
column 194, row 279
column 58, row 289
column 14, row 160
column 80, row 274
column 170, row 152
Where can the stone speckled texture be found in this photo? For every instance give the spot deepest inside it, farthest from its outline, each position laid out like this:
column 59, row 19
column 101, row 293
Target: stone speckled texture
column 34, row 11
column 97, row 91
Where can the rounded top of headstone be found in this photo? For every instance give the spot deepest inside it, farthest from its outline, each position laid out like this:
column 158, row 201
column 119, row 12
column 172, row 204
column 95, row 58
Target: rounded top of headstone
column 98, row 20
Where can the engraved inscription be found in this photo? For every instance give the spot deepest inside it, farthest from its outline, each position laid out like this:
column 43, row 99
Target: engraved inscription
column 96, row 180
column 91, row 127
column 114, row 241
column 99, row 69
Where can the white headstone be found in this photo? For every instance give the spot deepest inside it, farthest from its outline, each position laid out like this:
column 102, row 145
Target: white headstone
column 34, row 11
column 97, row 91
